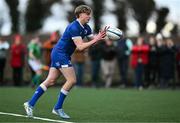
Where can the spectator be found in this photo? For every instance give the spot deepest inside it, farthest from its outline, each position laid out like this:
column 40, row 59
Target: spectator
column 108, row 62
column 139, row 59
column 167, row 63
column 79, row 62
column 48, row 46
column 151, row 69
column 95, row 57
column 178, row 64
column 18, row 52
column 4, row 46
column 160, row 43
column 34, row 60
column 124, row 48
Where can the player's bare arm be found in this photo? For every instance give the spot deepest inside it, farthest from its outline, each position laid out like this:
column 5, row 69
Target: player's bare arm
column 83, row 45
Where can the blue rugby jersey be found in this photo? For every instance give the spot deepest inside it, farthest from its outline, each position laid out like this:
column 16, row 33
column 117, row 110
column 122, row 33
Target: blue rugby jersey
column 73, row 30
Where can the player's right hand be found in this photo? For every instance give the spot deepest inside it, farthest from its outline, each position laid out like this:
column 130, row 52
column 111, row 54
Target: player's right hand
column 101, row 35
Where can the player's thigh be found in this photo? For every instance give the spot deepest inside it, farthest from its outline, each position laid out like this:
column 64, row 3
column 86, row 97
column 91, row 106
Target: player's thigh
column 69, row 74
column 52, row 75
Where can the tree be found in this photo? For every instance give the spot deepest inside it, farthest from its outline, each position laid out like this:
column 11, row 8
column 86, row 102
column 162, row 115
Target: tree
column 13, row 4
column 161, row 20
column 97, row 12
column 47, row 5
column 174, row 31
column 142, row 11
column 121, row 14
column 34, row 15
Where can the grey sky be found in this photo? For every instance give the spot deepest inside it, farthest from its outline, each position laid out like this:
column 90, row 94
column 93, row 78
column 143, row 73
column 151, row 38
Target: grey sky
column 174, row 6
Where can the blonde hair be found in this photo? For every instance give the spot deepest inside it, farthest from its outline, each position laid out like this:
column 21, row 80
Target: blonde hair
column 82, row 9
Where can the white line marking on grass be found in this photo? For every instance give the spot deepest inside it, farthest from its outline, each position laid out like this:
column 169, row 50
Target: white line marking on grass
column 38, row 118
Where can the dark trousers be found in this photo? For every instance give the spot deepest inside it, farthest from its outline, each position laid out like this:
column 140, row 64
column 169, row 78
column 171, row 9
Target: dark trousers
column 79, row 67
column 178, row 72
column 123, row 69
column 150, row 74
column 139, row 75
column 2, row 66
column 17, row 76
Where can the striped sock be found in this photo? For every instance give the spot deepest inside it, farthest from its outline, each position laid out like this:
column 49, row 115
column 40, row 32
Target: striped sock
column 61, row 99
column 38, row 93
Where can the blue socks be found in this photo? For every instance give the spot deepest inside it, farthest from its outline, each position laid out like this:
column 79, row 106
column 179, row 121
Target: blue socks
column 38, row 93
column 61, row 99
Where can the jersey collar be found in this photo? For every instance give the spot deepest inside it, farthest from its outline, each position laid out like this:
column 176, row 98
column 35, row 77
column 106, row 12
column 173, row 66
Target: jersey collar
column 79, row 23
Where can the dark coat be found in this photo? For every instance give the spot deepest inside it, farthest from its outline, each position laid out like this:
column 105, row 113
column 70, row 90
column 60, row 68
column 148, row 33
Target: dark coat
column 95, row 52
column 153, row 56
column 167, row 62
column 108, row 52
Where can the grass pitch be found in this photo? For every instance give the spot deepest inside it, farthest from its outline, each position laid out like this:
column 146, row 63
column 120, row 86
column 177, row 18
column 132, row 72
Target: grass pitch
column 96, row 105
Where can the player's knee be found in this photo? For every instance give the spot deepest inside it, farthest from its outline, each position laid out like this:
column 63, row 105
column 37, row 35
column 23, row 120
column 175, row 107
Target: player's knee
column 50, row 82
column 72, row 81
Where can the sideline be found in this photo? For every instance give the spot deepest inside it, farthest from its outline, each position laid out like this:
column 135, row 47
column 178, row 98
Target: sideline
column 38, row 118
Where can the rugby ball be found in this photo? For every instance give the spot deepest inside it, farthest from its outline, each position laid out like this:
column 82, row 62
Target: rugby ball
column 114, row 33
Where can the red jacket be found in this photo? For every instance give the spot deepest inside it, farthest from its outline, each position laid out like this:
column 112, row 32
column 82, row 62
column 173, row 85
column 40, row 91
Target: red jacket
column 139, row 55
column 17, row 55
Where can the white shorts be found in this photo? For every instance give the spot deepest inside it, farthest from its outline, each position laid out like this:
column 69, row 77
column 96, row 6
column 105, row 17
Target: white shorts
column 35, row 65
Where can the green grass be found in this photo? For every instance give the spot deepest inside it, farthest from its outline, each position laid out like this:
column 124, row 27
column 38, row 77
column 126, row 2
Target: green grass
column 96, row 105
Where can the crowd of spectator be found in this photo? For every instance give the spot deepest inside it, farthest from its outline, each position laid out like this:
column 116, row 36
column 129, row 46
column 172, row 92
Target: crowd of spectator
column 155, row 61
